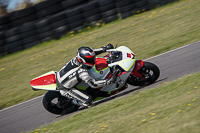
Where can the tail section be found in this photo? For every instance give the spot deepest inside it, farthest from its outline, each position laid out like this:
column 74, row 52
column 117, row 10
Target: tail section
column 46, row 81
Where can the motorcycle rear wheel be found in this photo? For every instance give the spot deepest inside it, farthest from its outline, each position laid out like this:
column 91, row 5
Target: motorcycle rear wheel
column 57, row 104
column 150, row 73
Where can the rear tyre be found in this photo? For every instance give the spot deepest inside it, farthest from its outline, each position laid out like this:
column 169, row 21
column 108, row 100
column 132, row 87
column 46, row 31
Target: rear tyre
column 150, row 73
column 57, row 104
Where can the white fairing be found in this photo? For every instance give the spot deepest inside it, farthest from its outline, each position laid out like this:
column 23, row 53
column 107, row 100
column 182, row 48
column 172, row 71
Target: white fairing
column 126, row 62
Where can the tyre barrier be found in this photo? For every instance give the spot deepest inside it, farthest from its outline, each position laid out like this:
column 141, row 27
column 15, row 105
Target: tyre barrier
column 51, row 19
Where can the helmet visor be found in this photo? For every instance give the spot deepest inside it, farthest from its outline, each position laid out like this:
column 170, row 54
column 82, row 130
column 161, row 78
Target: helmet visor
column 91, row 60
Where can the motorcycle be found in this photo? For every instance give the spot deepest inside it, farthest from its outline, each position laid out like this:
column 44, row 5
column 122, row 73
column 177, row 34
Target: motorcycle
column 130, row 71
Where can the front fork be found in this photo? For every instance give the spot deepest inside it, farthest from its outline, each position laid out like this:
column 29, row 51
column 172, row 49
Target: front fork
column 138, row 65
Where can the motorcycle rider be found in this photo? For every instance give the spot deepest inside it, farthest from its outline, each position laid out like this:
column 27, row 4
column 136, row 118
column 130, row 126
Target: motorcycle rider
column 75, row 71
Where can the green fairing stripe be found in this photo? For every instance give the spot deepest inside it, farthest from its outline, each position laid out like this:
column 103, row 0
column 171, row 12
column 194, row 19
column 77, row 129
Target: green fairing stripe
column 132, row 64
column 124, row 61
column 101, row 70
column 81, row 88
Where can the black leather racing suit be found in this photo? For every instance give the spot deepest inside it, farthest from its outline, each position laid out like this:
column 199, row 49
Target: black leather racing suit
column 73, row 73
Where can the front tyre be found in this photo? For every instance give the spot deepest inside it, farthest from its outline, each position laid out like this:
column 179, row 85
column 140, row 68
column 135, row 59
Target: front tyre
column 150, row 73
column 57, row 104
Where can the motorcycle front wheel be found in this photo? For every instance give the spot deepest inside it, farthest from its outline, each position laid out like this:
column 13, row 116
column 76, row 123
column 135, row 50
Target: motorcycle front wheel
column 57, row 104
column 150, row 73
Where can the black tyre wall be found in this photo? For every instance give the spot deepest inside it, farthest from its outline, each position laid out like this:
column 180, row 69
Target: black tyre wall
column 13, row 38
column 91, row 13
column 14, row 46
column 2, row 50
column 29, row 45
column 54, row 9
column 105, row 2
column 2, row 47
column 77, row 29
column 108, row 7
column 45, row 8
column 28, row 33
column 57, row 17
column 124, row 3
column 143, row 9
column 11, row 32
column 1, row 35
column 60, row 23
column 5, row 22
column 45, row 4
column 141, row 3
column 2, row 43
column 21, row 21
column 45, row 35
column 43, row 29
column 14, row 43
column 22, row 13
column 42, row 23
column 44, row 32
column 5, row 27
column 31, row 39
column 27, row 27
column 73, row 12
column 76, row 24
column 109, row 13
column 110, row 18
column 89, row 6
column 59, row 32
column 127, row 8
column 22, row 16
column 42, row 13
column 5, row 19
column 126, row 14
column 72, row 3
column 75, row 18
column 93, row 18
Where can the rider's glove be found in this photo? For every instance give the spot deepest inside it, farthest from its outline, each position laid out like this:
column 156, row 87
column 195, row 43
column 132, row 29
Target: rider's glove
column 109, row 46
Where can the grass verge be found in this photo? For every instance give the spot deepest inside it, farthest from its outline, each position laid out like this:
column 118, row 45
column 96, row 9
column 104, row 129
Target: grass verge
column 172, row 107
column 147, row 34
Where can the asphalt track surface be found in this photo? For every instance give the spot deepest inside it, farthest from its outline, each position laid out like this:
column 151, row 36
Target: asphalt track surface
column 31, row 114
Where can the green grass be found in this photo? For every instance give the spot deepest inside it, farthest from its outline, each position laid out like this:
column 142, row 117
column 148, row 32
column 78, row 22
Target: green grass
column 172, row 107
column 147, row 34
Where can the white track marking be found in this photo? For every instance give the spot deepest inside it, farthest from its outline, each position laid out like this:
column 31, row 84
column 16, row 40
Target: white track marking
column 172, row 50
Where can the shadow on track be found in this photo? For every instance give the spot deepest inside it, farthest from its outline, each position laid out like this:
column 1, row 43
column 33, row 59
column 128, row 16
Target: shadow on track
column 123, row 93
